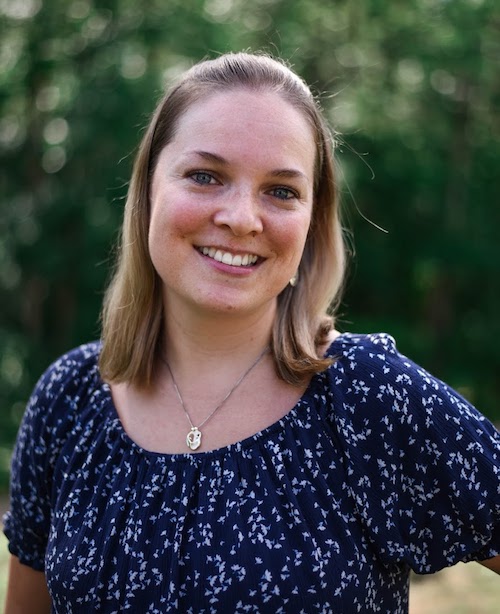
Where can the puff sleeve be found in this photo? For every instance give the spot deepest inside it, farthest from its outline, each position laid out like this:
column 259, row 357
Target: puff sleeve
column 423, row 464
column 48, row 418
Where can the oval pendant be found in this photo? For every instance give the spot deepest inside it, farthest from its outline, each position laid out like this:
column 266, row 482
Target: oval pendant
column 193, row 438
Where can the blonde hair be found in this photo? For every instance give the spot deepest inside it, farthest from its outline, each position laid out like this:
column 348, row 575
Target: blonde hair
column 132, row 315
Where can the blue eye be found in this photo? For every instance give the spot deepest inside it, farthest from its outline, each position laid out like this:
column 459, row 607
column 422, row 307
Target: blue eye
column 283, row 193
column 202, row 177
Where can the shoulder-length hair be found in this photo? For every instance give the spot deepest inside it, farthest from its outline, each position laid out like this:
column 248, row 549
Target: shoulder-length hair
column 132, row 315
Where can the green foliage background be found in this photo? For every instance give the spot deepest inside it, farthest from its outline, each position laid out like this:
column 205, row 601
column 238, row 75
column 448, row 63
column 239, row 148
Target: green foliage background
column 412, row 89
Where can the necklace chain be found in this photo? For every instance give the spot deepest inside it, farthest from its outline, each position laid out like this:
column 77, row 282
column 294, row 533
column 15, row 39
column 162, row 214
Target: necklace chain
column 193, row 438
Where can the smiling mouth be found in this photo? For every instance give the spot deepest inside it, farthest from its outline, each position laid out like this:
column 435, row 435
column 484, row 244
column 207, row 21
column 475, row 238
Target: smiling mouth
column 228, row 258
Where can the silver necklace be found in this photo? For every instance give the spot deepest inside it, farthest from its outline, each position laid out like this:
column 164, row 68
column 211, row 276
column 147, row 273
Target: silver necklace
column 193, row 438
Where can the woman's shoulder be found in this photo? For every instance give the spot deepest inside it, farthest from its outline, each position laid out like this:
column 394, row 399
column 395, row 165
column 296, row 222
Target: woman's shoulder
column 369, row 372
column 374, row 362
column 350, row 339
column 82, row 356
column 362, row 348
column 367, row 363
column 72, row 368
column 372, row 380
column 68, row 380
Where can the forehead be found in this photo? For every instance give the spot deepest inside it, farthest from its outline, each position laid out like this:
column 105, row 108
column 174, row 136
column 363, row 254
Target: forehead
column 241, row 119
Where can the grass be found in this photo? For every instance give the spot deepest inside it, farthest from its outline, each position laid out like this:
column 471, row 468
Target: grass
column 463, row 589
column 4, row 559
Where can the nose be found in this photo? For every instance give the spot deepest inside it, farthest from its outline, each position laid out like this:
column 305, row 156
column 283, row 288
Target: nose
column 240, row 212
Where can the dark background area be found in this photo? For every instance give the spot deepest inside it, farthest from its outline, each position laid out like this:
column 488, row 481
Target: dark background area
column 412, row 89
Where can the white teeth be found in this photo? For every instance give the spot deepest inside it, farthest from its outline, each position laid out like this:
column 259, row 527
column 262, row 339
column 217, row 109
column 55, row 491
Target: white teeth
column 228, row 258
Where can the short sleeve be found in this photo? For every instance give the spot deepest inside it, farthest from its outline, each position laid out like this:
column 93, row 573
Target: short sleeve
column 47, row 418
column 28, row 521
column 423, row 463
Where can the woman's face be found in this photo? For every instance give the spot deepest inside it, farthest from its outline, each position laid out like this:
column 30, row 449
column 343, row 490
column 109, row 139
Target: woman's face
column 231, row 203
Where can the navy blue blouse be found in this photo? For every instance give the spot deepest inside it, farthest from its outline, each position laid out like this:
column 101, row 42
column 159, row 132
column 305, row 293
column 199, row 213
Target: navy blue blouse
column 379, row 468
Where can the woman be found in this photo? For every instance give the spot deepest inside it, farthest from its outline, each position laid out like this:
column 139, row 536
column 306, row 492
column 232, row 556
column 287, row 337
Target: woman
column 225, row 449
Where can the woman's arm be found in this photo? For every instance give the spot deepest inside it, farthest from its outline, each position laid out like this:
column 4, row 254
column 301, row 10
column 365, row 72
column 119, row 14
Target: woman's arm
column 493, row 564
column 26, row 590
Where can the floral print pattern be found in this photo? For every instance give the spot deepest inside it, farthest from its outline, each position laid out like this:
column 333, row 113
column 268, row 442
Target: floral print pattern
column 380, row 468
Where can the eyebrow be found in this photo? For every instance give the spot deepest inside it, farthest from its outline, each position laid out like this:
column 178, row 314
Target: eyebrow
column 280, row 172
column 211, row 157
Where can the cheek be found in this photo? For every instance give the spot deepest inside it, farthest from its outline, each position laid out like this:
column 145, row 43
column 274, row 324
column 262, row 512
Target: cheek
column 292, row 238
column 172, row 220
column 161, row 238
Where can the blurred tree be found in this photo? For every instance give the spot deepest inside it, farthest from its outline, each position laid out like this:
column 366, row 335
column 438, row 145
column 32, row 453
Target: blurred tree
column 412, row 88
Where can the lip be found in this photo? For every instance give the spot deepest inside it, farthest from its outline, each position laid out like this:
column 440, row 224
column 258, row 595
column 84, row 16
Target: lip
column 236, row 259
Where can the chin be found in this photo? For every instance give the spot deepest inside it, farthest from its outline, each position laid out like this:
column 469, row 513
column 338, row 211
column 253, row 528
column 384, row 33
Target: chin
column 233, row 307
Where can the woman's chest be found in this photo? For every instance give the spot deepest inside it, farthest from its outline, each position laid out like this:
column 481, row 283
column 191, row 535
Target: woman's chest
column 164, row 422
column 270, row 532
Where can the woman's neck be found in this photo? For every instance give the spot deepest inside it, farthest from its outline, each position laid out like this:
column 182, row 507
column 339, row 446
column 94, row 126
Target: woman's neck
column 215, row 338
